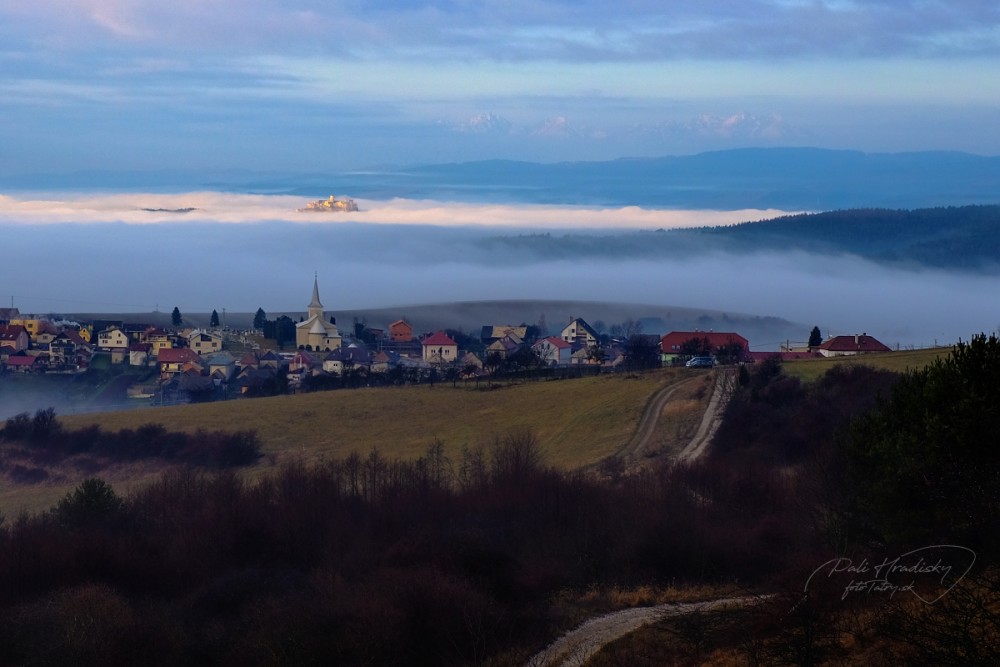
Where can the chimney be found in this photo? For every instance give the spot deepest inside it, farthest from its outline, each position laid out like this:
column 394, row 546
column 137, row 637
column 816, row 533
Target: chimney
column 856, row 342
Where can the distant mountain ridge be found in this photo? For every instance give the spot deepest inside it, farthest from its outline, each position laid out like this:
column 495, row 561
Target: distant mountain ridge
column 791, row 179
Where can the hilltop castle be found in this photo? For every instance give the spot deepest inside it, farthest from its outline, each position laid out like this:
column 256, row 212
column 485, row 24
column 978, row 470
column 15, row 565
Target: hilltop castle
column 331, row 204
column 315, row 332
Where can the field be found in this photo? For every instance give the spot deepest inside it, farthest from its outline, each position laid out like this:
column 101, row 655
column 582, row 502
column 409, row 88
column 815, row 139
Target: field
column 578, row 422
column 810, row 369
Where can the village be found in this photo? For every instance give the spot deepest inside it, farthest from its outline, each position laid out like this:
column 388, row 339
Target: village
column 179, row 364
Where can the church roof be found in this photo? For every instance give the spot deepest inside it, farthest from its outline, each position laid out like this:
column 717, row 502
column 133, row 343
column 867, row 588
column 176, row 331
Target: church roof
column 317, row 327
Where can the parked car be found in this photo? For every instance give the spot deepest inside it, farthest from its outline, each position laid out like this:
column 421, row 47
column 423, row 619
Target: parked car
column 700, row 362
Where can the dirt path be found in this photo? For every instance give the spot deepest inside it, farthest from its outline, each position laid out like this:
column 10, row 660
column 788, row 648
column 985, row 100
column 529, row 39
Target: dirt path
column 576, row 647
column 647, row 422
column 711, row 419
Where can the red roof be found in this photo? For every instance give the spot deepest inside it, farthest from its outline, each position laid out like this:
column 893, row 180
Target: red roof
column 176, row 355
column 673, row 341
column 21, row 361
column 557, row 343
column 857, row 343
column 440, row 338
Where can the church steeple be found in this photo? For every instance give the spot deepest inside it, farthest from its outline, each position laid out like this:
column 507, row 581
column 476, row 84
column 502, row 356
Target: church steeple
column 315, row 307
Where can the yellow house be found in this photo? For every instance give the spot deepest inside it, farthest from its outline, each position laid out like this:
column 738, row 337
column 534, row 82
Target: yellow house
column 31, row 324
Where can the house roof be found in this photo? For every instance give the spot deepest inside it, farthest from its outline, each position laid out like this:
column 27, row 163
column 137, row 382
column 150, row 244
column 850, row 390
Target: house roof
column 558, row 343
column 27, row 360
column 177, row 355
column 439, row 338
column 856, row 343
column 140, row 347
column 11, row 331
column 716, row 339
column 582, row 324
column 401, row 323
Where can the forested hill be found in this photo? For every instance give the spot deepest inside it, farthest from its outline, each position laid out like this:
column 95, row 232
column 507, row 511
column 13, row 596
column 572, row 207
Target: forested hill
column 953, row 237
column 964, row 238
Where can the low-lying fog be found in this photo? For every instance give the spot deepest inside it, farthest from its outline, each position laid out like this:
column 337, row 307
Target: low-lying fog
column 69, row 255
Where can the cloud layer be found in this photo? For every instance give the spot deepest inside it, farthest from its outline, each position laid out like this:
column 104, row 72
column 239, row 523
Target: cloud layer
column 219, row 207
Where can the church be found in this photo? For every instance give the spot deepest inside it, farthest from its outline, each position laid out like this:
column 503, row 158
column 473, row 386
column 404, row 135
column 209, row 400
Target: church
column 316, row 333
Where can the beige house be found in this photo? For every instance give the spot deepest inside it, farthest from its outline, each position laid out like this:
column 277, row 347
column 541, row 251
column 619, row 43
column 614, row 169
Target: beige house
column 315, row 332
column 578, row 332
column 440, row 349
column 204, row 342
column 113, row 339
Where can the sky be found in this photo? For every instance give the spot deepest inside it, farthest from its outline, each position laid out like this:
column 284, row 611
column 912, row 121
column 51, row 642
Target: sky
column 313, row 85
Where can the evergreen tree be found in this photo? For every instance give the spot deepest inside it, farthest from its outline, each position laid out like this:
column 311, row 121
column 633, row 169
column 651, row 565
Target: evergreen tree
column 259, row 319
column 214, row 322
column 815, row 337
column 175, row 317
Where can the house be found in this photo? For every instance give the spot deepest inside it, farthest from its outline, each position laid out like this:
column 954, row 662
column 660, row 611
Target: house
column 382, row 361
column 303, row 360
column 694, row 343
column 221, row 365
column 112, row 338
column 175, row 360
column 503, row 347
column 579, row 334
column 68, row 350
column 840, row 346
column 494, row 332
column 315, row 332
column 14, row 336
column 553, row 351
column 204, row 342
column 159, row 340
column 31, row 324
column 24, row 363
column 352, row 356
column 401, row 331
column 136, row 331
column 439, row 348
column 139, row 354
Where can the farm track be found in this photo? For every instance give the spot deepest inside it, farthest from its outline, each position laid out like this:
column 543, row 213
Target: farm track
column 577, row 646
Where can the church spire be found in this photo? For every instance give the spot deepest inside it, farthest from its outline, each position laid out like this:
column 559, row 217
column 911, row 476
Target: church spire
column 315, row 303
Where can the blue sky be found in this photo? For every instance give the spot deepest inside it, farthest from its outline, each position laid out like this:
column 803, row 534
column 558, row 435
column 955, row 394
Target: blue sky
column 304, row 85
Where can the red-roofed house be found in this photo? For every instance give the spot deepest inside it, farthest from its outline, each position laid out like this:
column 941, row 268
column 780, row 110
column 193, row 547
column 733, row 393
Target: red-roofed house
column 840, row 346
column 173, row 360
column 23, row 364
column 695, row 343
column 553, row 351
column 439, row 348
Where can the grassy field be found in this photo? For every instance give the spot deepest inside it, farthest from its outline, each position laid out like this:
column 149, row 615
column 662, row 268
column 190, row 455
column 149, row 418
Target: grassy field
column 810, row 369
column 578, row 421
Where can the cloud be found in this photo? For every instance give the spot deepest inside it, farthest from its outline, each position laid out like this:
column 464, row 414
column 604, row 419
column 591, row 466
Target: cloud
column 230, row 208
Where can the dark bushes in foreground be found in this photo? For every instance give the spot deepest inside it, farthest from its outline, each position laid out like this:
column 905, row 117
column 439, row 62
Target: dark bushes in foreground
column 365, row 560
column 45, row 440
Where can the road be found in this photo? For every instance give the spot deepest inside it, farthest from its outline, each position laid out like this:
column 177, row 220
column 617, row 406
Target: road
column 577, row 646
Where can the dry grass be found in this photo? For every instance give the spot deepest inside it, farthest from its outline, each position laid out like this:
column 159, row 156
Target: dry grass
column 578, row 422
column 811, row 369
